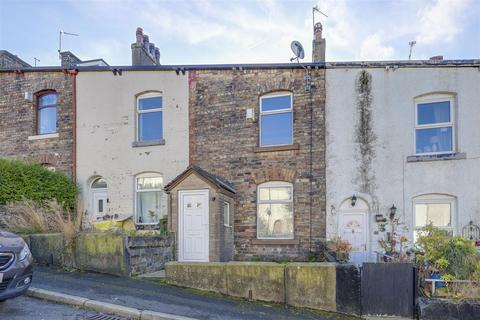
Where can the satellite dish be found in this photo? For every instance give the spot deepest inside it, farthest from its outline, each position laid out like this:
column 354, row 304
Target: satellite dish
column 297, row 49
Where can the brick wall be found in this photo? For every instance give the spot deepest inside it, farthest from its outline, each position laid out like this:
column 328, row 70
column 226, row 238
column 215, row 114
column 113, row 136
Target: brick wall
column 223, row 142
column 17, row 119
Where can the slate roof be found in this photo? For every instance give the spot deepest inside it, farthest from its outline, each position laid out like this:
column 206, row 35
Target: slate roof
column 211, row 178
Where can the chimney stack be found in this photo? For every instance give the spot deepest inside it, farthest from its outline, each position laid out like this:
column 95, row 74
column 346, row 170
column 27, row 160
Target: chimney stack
column 436, row 58
column 319, row 44
column 144, row 53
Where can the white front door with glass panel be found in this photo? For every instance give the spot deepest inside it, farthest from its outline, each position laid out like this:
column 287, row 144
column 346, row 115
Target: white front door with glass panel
column 193, row 226
column 99, row 203
column 353, row 228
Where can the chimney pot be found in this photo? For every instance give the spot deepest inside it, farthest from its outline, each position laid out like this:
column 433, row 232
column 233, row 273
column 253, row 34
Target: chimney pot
column 157, row 55
column 139, row 36
column 151, row 49
column 145, row 41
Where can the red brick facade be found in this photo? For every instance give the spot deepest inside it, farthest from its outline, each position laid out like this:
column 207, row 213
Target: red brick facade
column 18, row 106
column 225, row 143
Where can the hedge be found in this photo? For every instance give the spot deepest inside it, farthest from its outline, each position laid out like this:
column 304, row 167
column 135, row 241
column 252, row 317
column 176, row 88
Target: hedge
column 19, row 180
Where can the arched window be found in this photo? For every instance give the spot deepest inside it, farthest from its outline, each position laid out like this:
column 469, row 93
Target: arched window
column 148, row 191
column 437, row 209
column 47, row 112
column 275, row 210
column 276, row 119
column 434, row 124
column 150, row 117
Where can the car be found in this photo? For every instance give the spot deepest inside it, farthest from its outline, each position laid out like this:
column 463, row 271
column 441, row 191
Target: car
column 16, row 266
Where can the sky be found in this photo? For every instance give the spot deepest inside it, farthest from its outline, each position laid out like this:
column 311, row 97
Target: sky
column 248, row 31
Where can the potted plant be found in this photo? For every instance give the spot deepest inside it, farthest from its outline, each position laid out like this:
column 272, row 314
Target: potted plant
column 339, row 249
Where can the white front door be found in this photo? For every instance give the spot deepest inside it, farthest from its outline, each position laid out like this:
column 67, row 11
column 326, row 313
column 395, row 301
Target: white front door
column 99, row 203
column 353, row 228
column 193, row 225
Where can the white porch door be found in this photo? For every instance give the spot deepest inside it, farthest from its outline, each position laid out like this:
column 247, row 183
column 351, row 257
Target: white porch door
column 99, row 203
column 193, row 226
column 353, row 228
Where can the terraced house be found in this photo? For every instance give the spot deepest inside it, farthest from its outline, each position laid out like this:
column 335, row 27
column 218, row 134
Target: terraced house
column 36, row 112
column 402, row 142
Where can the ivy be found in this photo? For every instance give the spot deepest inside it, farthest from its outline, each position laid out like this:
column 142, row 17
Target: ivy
column 19, row 180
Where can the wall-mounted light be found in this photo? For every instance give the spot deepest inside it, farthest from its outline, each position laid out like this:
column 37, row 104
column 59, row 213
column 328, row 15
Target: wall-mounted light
column 393, row 211
column 353, row 200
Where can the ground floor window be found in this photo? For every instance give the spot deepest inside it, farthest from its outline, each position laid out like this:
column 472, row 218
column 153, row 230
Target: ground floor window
column 149, row 191
column 435, row 209
column 275, row 210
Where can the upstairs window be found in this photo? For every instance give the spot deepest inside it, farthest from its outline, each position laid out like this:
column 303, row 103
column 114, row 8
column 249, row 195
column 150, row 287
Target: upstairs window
column 149, row 190
column 47, row 113
column 275, row 210
column 434, row 126
column 150, row 117
column 276, row 120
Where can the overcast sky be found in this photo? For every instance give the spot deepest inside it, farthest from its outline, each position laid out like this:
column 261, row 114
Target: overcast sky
column 210, row 32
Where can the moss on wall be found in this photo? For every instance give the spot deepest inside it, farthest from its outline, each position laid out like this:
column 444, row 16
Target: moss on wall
column 101, row 252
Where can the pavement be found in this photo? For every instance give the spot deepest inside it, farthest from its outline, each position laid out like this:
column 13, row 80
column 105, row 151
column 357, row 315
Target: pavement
column 141, row 294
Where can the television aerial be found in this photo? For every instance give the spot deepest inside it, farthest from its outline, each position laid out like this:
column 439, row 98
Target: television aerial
column 297, row 50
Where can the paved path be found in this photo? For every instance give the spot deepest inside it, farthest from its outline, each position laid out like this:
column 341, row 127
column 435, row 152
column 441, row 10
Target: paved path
column 24, row 308
column 143, row 294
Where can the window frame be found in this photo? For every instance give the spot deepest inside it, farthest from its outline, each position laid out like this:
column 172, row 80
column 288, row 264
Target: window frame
column 136, row 191
column 435, row 198
column 273, row 184
column 138, row 112
column 450, row 124
column 270, row 112
column 39, row 95
column 226, row 222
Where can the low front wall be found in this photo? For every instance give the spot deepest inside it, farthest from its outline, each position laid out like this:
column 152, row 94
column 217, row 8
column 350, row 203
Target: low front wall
column 147, row 254
column 111, row 253
column 250, row 280
column 47, row 248
column 312, row 285
column 101, row 252
column 447, row 309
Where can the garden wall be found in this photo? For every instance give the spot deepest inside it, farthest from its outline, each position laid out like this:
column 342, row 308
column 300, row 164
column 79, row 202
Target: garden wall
column 103, row 252
column 312, row 285
column 446, row 309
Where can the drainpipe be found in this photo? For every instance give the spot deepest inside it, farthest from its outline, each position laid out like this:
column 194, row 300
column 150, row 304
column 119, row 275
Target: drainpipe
column 73, row 74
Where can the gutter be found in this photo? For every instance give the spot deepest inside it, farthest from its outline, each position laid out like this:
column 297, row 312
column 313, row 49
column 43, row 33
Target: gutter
column 319, row 65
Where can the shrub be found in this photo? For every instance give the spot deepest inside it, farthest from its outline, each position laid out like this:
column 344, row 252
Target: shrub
column 446, row 254
column 19, row 180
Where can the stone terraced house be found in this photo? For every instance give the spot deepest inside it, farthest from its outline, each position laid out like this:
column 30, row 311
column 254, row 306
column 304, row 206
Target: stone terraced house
column 36, row 114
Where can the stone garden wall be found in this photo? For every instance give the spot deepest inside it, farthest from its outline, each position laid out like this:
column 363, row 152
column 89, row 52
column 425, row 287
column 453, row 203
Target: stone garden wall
column 312, row 285
column 102, row 252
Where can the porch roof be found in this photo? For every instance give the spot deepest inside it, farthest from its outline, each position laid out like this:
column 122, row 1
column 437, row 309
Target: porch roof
column 216, row 181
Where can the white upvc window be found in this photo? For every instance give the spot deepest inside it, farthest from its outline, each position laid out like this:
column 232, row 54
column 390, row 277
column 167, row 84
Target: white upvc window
column 435, row 125
column 148, row 198
column 276, row 119
column 226, row 214
column 437, row 209
column 275, row 210
column 150, row 117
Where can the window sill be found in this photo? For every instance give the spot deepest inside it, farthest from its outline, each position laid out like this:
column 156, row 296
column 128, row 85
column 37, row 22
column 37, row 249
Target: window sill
column 160, row 142
column 43, row 136
column 275, row 241
column 294, row 146
column 437, row 157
